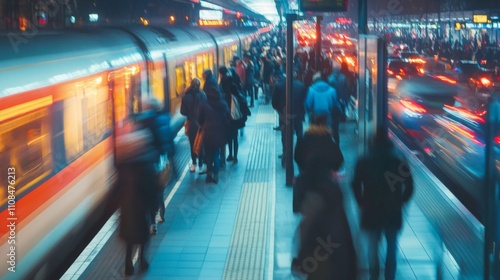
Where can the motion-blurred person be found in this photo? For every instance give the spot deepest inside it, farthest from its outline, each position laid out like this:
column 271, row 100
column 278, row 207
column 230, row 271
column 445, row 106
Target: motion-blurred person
column 158, row 122
column 326, row 249
column 214, row 117
column 190, row 106
column 136, row 159
column 322, row 99
column 382, row 185
column 249, row 78
column 265, row 72
column 279, row 104
column 339, row 82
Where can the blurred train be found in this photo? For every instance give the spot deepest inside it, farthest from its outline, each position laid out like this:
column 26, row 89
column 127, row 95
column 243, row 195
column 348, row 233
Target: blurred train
column 63, row 96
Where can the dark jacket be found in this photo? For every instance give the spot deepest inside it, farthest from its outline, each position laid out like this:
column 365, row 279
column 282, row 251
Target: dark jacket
column 317, row 152
column 299, row 96
column 159, row 124
column 138, row 185
column 214, row 118
column 320, row 202
column 249, row 74
column 382, row 184
column 190, row 106
column 211, row 87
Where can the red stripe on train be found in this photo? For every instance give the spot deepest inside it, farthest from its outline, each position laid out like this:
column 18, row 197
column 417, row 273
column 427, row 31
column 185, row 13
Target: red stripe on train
column 32, row 204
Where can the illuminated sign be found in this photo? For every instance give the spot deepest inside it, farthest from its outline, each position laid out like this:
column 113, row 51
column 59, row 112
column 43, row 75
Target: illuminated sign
column 323, row 5
column 212, row 22
column 210, row 15
column 480, row 18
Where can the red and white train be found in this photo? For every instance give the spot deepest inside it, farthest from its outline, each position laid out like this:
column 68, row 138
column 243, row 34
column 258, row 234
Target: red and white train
column 63, row 93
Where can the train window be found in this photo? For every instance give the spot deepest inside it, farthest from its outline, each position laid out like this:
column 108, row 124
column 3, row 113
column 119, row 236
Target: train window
column 157, row 82
column 190, row 71
column 72, row 123
column 96, row 125
column 211, row 61
column 200, row 65
column 25, row 146
column 180, row 82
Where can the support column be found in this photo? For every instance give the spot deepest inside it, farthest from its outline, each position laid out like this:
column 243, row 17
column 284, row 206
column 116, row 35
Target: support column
column 288, row 153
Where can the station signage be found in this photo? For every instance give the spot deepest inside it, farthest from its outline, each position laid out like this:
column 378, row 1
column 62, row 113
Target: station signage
column 212, row 22
column 210, row 15
column 323, row 5
column 480, row 18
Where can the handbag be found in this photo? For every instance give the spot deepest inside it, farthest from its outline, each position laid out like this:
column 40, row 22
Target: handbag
column 198, row 142
column 163, row 170
column 235, row 108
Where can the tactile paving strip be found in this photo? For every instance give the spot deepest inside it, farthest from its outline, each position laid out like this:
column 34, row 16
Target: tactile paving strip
column 247, row 254
column 246, row 259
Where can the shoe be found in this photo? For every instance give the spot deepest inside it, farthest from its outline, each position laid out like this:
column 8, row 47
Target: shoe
column 277, row 128
column 129, row 270
column 144, row 265
column 209, row 179
column 280, row 156
column 162, row 219
column 215, row 178
column 235, row 161
column 251, row 106
column 192, row 168
column 203, row 170
column 153, row 230
column 230, row 158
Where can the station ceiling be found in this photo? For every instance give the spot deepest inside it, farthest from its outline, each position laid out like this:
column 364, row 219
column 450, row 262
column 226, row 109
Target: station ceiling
column 263, row 10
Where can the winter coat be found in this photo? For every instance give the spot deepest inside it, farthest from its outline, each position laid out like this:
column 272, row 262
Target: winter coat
column 324, row 225
column 190, row 107
column 138, row 185
column 317, row 152
column 322, row 99
column 214, row 118
column 382, row 184
column 211, row 87
column 339, row 81
column 299, row 96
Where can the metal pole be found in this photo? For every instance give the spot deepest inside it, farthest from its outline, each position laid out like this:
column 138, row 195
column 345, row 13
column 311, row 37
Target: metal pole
column 318, row 41
column 491, row 238
column 362, row 17
column 288, row 153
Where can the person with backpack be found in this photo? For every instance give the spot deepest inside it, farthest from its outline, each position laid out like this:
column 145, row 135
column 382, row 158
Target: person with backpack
column 158, row 122
column 190, row 107
column 239, row 112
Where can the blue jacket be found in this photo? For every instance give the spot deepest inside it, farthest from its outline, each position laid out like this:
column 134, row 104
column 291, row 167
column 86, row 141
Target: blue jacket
column 322, row 99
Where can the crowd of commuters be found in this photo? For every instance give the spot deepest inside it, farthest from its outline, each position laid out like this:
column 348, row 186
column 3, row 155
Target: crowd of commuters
column 216, row 111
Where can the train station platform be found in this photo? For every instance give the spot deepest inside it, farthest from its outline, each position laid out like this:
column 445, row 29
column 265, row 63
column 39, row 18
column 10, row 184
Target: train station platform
column 244, row 228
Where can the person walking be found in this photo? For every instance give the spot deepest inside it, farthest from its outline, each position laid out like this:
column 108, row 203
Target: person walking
column 249, row 82
column 136, row 159
column 321, row 99
column 326, row 249
column 213, row 117
column 382, row 185
column 190, row 107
